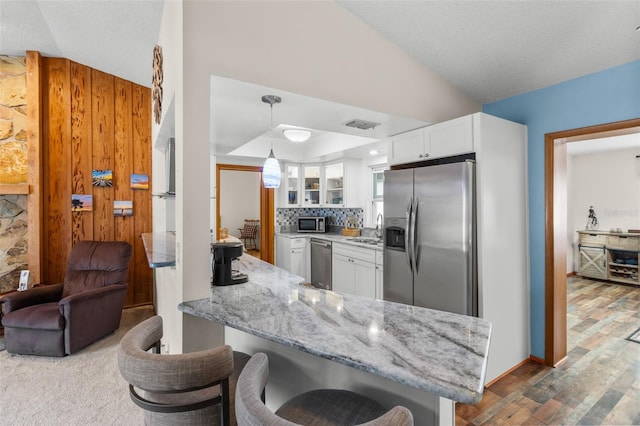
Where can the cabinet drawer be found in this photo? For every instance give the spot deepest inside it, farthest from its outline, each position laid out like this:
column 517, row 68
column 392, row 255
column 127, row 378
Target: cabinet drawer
column 355, row 252
column 622, row 241
column 592, row 239
column 298, row 242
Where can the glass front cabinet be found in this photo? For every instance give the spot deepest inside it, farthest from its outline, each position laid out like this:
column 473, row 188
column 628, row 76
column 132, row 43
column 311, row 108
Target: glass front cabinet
column 292, row 185
column 334, row 184
column 311, row 174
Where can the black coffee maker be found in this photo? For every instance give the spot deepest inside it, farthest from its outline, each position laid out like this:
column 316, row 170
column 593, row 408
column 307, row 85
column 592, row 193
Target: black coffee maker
column 223, row 255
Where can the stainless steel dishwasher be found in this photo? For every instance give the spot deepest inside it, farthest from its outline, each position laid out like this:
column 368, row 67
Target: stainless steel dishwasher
column 321, row 263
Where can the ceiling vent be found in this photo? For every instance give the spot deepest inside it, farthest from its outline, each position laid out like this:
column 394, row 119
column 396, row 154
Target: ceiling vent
column 361, row 124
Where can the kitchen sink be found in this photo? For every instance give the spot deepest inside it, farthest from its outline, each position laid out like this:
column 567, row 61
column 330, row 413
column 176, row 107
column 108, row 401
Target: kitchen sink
column 370, row 241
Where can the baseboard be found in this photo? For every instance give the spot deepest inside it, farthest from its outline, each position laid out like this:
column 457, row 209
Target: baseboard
column 506, row 373
column 537, row 360
column 561, row 361
column 571, row 274
column 139, row 304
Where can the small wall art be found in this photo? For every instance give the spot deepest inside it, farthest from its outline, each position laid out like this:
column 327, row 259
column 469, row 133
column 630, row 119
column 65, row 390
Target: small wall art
column 139, row 181
column 81, row 202
column 123, row 208
column 102, row 178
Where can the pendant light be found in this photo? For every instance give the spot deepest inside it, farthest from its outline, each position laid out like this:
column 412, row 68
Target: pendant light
column 271, row 174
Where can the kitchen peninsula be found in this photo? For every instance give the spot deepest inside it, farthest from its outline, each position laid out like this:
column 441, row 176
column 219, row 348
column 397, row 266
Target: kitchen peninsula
column 398, row 354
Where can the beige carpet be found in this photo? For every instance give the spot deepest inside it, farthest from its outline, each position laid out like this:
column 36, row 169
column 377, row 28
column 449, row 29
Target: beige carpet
column 80, row 389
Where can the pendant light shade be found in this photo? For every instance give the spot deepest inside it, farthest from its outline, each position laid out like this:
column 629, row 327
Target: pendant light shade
column 271, row 173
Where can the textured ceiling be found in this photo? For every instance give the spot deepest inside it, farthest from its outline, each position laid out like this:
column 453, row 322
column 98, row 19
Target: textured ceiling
column 493, row 50
column 115, row 36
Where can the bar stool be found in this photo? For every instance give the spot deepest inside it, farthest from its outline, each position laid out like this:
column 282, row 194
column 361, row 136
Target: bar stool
column 324, row 407
column 196, row 388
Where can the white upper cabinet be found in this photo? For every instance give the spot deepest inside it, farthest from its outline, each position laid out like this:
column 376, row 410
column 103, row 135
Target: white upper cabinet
column 291, row 185
column 311, row 185
column 334, row 184
column 452, row 137
column 445, row 139
column 407, row 147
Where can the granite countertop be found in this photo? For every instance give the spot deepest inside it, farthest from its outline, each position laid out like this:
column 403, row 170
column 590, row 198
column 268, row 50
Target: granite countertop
column 160, row 248
column 435, row 351
column 335, row 238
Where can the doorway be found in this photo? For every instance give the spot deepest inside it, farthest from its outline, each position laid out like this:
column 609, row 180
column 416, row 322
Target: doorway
column 266, row 209
column 556, row 228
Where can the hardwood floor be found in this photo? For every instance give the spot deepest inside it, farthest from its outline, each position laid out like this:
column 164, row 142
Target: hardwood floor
column 598, row 383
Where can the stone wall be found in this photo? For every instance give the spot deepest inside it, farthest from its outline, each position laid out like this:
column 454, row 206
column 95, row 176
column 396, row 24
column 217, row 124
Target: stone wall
column 13, row 169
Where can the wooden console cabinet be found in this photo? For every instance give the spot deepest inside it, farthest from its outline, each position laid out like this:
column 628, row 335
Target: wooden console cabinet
column 609, row 256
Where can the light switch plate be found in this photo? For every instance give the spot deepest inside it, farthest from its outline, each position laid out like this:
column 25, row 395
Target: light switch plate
column 24, row 280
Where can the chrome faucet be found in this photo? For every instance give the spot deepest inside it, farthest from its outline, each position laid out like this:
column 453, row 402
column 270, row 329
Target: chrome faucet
column 379, row 225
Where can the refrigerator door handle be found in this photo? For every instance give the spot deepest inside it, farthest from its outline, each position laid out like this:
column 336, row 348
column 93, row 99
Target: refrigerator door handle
column 414, row 233
column 407, row 233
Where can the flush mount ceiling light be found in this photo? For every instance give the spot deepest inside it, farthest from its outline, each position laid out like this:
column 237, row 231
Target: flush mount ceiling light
column 271, row 173
column 297, row 135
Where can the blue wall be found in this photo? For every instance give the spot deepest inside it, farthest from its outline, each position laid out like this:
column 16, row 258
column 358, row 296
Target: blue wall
column 605, row 97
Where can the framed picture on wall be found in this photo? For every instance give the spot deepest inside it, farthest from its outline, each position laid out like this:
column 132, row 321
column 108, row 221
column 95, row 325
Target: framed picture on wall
column 102, row 178
column 123, row 208
column 81, row 202
column 139, row 181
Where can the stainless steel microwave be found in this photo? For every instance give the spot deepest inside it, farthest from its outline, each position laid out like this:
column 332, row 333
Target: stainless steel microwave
column 313, row 224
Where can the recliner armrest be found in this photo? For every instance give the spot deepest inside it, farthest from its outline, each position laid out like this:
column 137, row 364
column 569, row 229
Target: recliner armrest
column 95, row 293
column 33, row 296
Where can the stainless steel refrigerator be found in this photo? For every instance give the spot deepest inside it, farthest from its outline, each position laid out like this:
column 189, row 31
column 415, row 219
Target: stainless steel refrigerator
column 429, row 237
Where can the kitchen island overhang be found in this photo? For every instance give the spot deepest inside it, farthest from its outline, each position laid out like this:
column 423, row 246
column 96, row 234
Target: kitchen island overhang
column 433, row 351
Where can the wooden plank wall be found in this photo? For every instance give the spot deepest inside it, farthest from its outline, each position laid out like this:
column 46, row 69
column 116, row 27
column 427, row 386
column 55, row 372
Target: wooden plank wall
column 94, row 121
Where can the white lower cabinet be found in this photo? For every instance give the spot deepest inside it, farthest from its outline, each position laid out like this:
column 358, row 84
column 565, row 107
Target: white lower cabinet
column 291, row 254
column 379, row 275
column 353, row 270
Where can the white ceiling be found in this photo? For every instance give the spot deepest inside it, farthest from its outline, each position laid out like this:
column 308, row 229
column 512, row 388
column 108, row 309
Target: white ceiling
column 241, row 124
column 614, row 143
column 489, row 49
column 493, row 50
column 113, row 36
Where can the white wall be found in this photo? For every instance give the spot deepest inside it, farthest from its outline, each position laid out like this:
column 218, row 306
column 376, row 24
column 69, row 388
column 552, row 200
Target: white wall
column 336, row 57
column 239, row 199
column 608, row 181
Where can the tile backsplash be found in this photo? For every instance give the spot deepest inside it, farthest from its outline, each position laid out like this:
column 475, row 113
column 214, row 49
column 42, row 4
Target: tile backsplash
column 287, row 218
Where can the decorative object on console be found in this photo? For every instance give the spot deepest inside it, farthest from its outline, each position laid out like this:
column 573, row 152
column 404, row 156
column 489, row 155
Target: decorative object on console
column 271, row 173
column 592, row 222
